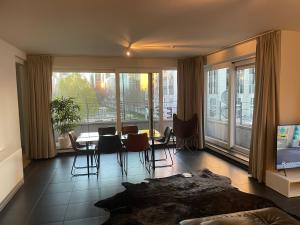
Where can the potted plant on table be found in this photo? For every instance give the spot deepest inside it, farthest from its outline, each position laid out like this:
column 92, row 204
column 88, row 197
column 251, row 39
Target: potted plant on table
column 66, row 116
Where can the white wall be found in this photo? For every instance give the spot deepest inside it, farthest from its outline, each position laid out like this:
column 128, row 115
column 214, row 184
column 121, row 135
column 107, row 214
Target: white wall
column 289, row 81
column 108, row 64
column 11, row 168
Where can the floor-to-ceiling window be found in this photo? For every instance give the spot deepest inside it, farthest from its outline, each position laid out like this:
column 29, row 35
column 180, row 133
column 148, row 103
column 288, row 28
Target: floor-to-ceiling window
column 244, row 102
column 169, row 101
column 134, row 102
column 217, row 103
column 229, row 105
column 100, row 105
column 95, row 93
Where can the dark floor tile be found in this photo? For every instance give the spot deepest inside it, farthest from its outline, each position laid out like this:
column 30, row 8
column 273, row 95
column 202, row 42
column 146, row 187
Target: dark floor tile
column 57, row 223
column 54, row 199
column 13, row 218
column 86, row 184
column 89, row 195
column 51, row 195
column 86, row 221
column 84, row 210
column 59, row 187
column 46, row 214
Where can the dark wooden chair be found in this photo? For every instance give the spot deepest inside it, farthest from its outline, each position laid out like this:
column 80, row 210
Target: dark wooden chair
column 163, row 143
column 110, row 144
column 137, row 143
column 90, row 151
column 107, row 130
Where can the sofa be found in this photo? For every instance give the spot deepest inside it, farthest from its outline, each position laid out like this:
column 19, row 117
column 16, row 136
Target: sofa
column 266, row 216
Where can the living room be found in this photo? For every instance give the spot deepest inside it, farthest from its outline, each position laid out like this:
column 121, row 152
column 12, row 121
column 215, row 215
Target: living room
column 208, row 87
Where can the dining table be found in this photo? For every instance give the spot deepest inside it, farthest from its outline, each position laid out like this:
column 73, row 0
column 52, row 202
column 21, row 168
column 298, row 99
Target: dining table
column 89, row 138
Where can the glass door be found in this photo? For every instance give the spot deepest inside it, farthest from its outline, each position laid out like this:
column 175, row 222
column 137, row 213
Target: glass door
column 217, row 106
column 244, row 104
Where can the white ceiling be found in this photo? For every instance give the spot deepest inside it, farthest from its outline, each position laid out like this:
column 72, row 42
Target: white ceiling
column 155, row 28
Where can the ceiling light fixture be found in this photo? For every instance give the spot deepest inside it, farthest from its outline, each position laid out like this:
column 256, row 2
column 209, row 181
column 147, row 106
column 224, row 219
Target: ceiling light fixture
column 128, row 52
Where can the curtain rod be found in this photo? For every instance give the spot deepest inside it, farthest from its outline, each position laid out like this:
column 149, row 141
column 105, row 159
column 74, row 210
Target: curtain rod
column 240, row 42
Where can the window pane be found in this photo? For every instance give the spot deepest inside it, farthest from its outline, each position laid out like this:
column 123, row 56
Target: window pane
column 217, row 104
column 94, row 92
column 244, row 103
column 134, row 99
column 169, row 96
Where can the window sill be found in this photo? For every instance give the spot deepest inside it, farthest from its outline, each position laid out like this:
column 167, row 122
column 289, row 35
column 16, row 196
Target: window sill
column 242, row 159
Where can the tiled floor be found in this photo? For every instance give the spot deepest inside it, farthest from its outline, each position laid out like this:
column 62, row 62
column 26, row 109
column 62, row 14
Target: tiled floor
column 52, row 196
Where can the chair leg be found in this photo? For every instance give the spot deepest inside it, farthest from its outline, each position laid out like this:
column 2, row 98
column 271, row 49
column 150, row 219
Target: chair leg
column 98, row 163
column 73, row 166
column 125, row 162
column 120, row 161
column 170, row 156
column 165, row 153
column 142, row 158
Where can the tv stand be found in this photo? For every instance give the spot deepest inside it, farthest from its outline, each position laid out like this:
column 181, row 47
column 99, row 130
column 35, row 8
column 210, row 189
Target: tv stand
column 287, row 184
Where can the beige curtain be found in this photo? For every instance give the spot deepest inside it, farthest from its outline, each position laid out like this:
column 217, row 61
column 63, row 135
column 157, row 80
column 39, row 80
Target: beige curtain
column 265, row 116
column 190, row 80
column 38, row 85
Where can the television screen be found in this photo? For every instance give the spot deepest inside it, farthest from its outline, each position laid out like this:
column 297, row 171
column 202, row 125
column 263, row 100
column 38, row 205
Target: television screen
column 288, row 146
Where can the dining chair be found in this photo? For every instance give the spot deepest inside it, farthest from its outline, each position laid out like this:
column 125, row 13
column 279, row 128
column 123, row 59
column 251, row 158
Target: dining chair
column 74, row 136
column 164, row 144
column 130, row 129
column 137, row 143
column 88, row 151
column 108, row 144
column 107, row 130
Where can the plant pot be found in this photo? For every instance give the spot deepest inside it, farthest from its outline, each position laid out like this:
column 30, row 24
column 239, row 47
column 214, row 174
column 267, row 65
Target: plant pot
column 64, row 141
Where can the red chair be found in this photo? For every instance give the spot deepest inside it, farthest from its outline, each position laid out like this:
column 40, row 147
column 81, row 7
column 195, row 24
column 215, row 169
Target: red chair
column 137, row 143
column 130, row 129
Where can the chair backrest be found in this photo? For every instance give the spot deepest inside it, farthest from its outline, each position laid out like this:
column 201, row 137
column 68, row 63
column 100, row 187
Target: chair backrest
column 106, row 130
column 137, row 142
column 167, row 135
column 185, row 129
column 130, row 130
column 109, row 144
column 73, row 141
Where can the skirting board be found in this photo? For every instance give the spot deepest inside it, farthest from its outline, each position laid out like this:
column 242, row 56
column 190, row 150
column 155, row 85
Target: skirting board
column 11, row 195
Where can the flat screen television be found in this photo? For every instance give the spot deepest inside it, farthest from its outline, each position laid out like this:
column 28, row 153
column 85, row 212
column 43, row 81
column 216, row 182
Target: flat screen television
column 288, row 146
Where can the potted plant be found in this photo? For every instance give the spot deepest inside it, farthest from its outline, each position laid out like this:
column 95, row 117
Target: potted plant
column 66, row 116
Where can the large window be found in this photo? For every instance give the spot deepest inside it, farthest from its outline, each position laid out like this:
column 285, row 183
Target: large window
column 134, row 96
column 229, row 105
column 217, row 104
column 169, row 93
column 96, row 94
column 244, row 100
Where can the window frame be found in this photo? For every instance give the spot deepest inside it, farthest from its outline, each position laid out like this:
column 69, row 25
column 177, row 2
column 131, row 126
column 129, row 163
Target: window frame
column 117, row 72
column 230, row 145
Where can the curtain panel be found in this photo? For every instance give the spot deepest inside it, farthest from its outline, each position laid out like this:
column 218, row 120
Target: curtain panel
column 38, row 83
column 190, row 101
column 265, row 115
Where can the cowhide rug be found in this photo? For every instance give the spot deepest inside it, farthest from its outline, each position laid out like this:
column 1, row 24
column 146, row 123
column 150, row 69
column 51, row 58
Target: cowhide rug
column 166, row 201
